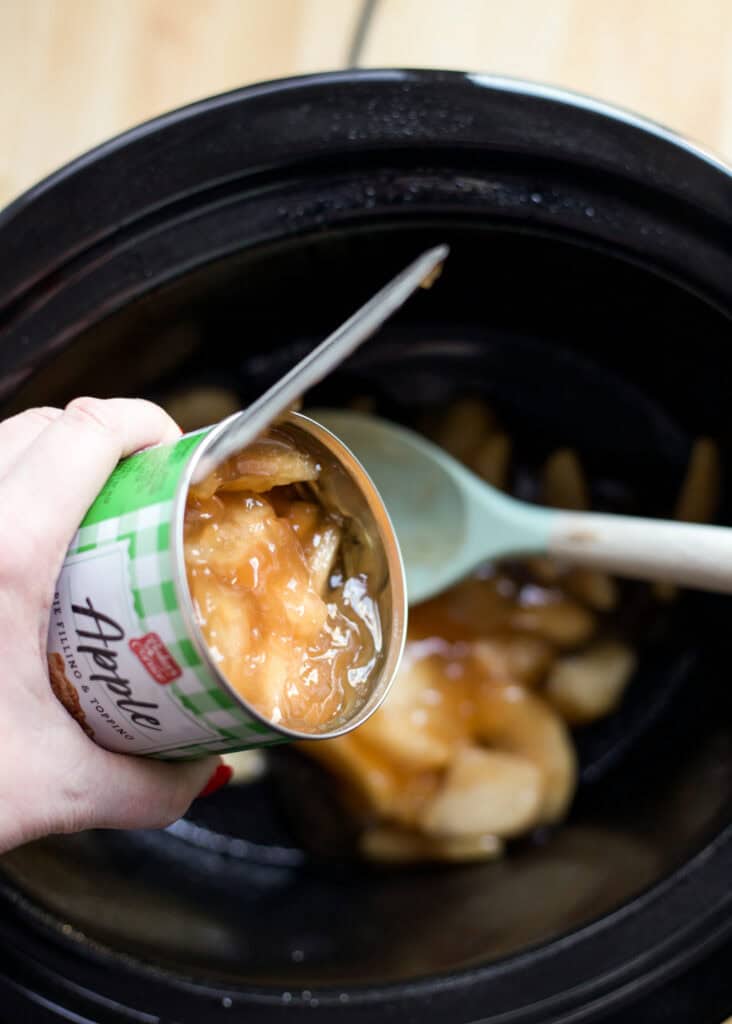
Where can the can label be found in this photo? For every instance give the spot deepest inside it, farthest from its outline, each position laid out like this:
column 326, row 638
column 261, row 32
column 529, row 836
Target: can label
column 121, row 654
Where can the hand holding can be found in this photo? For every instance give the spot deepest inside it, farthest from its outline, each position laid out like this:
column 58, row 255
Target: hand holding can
column 53, row 463
column 172, row 628
column 264, row 603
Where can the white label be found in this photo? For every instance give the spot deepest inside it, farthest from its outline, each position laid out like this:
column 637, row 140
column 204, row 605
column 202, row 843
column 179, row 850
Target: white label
column 95, row 630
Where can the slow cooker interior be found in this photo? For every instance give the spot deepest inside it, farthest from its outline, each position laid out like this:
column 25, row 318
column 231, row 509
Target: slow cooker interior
column 573, row 346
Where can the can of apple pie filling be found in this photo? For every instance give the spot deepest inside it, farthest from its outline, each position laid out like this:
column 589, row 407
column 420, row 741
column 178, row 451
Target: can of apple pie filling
column 126, row 655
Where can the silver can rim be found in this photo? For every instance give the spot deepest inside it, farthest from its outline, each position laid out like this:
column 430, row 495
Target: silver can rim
column 395, row 565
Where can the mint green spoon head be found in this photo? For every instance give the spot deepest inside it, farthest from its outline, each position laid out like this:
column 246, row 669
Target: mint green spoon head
column 446, row 519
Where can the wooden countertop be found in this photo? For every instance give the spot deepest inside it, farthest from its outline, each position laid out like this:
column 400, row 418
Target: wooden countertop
column 75, row 72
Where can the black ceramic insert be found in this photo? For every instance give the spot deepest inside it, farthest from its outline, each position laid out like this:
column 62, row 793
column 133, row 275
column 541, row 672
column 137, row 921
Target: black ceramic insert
column 588, row 296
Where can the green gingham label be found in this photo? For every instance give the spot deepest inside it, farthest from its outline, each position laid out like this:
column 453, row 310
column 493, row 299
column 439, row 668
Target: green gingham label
column 142, row 687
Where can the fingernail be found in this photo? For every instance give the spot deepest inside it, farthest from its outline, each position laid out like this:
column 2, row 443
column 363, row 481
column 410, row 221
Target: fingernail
column 219, row 778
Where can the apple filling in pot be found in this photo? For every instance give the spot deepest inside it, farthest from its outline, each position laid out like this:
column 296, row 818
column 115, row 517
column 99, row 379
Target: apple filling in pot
column 473, row 746
column 291, row 631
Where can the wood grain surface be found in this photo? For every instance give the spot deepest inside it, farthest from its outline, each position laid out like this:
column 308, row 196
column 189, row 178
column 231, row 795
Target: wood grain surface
column 75, row 72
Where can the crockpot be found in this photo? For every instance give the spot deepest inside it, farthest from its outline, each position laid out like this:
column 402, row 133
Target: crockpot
column 588, row 296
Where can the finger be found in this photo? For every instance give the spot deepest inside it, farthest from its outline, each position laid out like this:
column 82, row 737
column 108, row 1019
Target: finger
column 120, row 791
column 17, row 433
column 47, row 493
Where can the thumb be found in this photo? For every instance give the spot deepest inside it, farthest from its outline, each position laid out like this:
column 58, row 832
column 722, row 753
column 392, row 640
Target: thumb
column 138, row 792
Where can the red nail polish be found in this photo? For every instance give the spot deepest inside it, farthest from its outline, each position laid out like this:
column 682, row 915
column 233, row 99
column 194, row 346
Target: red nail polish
column 219, row 778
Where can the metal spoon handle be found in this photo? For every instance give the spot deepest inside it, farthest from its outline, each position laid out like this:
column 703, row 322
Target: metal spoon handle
column 249, row 424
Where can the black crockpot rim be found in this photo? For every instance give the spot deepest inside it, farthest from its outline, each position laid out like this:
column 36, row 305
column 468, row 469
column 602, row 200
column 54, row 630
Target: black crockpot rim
column 503, row 83
column 105, row 155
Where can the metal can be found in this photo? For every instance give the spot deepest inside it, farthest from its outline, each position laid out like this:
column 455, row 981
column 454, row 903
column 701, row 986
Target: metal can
column 126, row 655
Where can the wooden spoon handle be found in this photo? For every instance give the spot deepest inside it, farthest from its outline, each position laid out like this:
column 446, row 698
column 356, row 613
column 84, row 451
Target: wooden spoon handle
column 648, row 549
